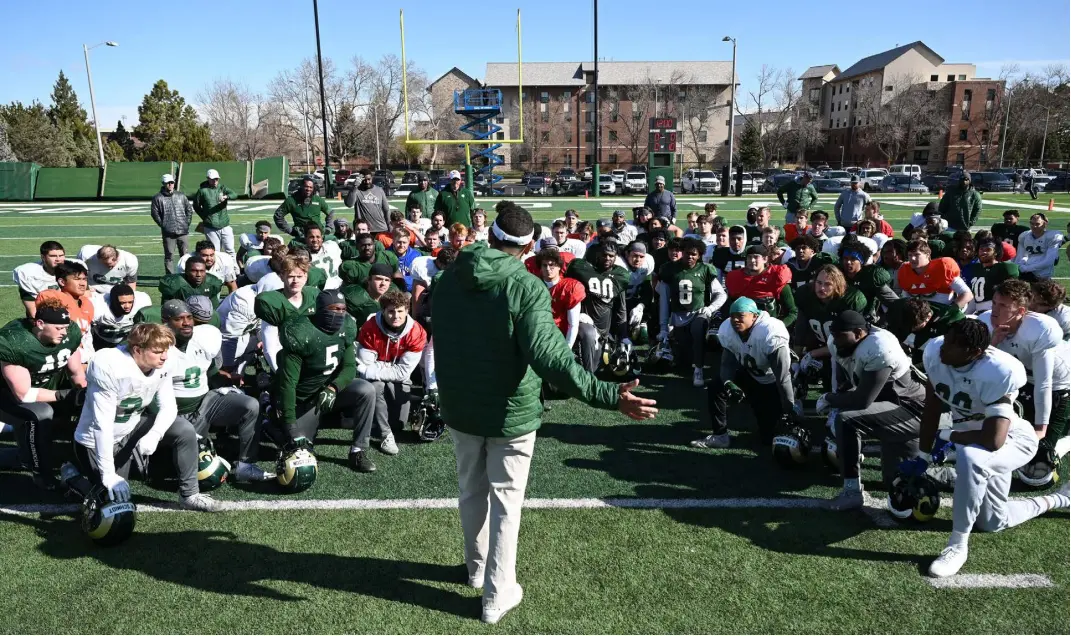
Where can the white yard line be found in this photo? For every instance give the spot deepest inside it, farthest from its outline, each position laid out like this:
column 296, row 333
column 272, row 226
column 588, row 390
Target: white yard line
column 974, row 581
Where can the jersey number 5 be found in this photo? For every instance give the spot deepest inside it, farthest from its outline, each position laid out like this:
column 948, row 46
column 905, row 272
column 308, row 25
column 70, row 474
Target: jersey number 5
column 331, row 359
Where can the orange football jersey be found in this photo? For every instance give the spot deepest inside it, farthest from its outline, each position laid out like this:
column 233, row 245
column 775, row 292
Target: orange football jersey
column 935, row 280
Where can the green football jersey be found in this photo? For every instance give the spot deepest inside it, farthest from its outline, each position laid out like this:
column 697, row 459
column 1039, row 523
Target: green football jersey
column 273, row 308
column 176, row 286
column 869, row 281
column 309, row 360
column 983, row 280
column 819, row 315
column 152, row 314
column 358, row 303
column 801, row 275
column 47, row 364
column 943, row 317
column 602, row 288
column 689, row 289
column 356, row 272
column 725, row 260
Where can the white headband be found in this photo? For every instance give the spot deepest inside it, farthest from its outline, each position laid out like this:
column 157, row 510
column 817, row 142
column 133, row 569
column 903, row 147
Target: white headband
column 509, row 238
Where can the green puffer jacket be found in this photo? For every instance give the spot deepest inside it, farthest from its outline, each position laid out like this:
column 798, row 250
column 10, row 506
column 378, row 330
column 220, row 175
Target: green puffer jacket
column 960, row 207
column 425, row 199
column 212, row 211
column 494, row 339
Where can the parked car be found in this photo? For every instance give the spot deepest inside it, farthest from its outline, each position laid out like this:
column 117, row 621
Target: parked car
column 442, row 183
column 903, row 183
column 586, row 172
column 700, row 181
column 910, row 169
column 843, row 176
column 341, row 176
column 410, row 176
column 871, row 178
column 567, row 174
column 405, row 190
column 382, row 182
column 577, row 188
column 1041, row 183
column 822, row 169
column 1059, row 183
column 991, row 182
column 637, row 167
column 852, row 169
column 387, row 175
column 606, row 184
column 434, row 175
column 935, row 182
column 775, row 181
column 635, row 182
column 535, row 186
column 619, row 179
column 829, row 186
column 1037, row 172
column 749, row 184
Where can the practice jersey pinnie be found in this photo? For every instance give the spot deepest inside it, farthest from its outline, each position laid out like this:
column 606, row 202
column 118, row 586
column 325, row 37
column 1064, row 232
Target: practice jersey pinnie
column 1036, row 334
column 192, row 365
column 311, row 359
column 19, row 347
column 273, row 308
column 725, row 260
column 176, row 286
column 767, row 335
column 602, row 289
column 983, row 281
column 689, row 289
column 109, row 327
column 32, row 279
column 819, row 314
column 969, row 391
column 115, row 377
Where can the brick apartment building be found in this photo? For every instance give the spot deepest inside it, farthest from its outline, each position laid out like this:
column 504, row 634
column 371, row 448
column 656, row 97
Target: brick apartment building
column 559, row 110
column 962, row 123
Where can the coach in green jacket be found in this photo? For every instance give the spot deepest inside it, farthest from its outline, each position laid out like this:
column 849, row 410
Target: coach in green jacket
column 210, row 203
column 961, row 205
column 424, row 196
column 797, row 194
column 455, row 202
column 489, row 394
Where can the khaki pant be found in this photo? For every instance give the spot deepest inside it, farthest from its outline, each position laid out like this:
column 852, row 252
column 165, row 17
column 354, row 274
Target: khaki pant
column 492, row 473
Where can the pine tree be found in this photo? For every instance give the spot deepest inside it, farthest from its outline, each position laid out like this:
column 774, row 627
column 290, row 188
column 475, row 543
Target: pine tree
column 170, row 130
column 750, row 153
column 122, row 137
column 32, row 136
column 6, row 153
column 69, row 118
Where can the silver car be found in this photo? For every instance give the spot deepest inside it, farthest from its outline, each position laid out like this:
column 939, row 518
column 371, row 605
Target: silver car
column 903, row 183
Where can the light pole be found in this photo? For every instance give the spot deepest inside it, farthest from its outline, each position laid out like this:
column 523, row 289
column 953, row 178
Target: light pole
column 1044, row 136
column 658, row 82
column 841, row 157
column 92, row 97
column 375, row 122
column 732, row 103
column 304, row 119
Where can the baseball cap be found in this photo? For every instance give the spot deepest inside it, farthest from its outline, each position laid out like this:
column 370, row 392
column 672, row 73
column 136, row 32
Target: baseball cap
column 855, row 179
column 619, row 214
column 660, row 179
column 167, row 178
column 848, row 320
column 757, row 249
column 212, row 174
column 327, row 298
column 380, row 269
column 603, row 223
column 638, row 246
column 454, row 174
column 173, row 309
column 200, row 308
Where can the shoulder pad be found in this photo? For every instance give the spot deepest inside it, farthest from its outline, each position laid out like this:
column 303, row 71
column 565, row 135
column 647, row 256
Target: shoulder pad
column 209, row 337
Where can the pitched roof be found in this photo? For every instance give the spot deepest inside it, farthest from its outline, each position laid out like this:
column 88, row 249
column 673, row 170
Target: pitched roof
column 610, row 73
column 883, row 59
column 463, row 74
column 818, row 71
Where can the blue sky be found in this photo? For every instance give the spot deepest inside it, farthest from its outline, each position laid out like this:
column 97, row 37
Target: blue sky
column 190, row 43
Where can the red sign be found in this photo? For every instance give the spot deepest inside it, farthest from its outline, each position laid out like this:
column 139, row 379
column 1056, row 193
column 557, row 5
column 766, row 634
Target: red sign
column 666, row 141
column 663, row 123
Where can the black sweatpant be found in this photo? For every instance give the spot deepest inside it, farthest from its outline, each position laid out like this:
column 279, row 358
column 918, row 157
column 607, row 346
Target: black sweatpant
column 896, row 428
column 764, row 400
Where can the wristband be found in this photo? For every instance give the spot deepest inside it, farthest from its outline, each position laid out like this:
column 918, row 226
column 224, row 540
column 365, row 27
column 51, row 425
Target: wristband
column 945, row 434
column 30, row 396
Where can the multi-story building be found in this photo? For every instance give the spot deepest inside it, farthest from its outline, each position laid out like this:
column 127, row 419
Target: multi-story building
column 559, row 110
column 904, row 105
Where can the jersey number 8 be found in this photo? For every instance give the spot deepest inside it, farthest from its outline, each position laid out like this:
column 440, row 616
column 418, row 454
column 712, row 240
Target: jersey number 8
column 684, row 292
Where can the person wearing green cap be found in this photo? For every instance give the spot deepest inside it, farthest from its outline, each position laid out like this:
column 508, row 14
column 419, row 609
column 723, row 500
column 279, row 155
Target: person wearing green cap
column 755, row 364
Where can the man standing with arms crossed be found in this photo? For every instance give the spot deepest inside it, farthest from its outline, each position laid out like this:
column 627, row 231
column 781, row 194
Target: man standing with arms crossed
column 210, row 203
column 796, row 194
column 488, row 296
column 172, row 211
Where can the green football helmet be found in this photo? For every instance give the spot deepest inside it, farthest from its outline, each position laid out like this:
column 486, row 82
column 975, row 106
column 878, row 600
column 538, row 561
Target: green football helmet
column 107, row 523
column 212, row 470
column 296, row 469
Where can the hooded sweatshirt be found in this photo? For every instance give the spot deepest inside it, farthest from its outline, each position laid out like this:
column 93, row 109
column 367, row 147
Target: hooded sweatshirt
column 212, row 211
column 492, row 390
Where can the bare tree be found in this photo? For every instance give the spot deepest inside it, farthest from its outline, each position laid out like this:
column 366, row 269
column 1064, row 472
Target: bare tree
column 1038, row 105
column 433, row 110
column 633, row 126
column 237, row 118
column 771, row 105
column 894, row 120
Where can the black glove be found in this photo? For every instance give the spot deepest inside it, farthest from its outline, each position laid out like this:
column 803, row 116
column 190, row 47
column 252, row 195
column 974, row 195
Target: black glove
column 732, row 393
column 76, row 397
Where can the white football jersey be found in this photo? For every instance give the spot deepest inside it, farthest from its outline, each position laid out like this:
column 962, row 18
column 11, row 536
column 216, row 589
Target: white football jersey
column 968, row 390
column 1038, row 333
column 638, row 276
column 832, row 244
column 1030, row 251
column 225, row 268
column 32, row 279
column 576, row 247
column 257, row 267
column 236, row 315
column 117, row 394
column 329, row 259
column 767, row 336
column 880, row 350
column 249, row 241
column 101, row 277
column 107, row 326
column 190, row 377
column 424, row 269
column 268, row 282
column 1062, row 316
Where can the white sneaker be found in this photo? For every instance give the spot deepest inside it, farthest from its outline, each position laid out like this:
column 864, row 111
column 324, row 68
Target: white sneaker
column 493, row 614
column 246, row 473
column 949, row 561
column 712, row 441
column 476, row 580
column 388, row 446
column 698, row 380
column 200, row 502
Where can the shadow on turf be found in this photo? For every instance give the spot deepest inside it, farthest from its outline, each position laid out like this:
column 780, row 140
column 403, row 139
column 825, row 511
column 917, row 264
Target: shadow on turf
column 221, row 563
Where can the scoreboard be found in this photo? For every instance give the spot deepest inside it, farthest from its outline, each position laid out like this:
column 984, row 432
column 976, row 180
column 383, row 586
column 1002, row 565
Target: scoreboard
column 663, row 134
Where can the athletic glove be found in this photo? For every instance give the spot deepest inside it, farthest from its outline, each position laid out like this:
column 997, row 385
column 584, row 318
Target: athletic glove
column 832, row 420
column 118, row 489
column 797, row 408
column 626, row 342
column 76, row 396
column 941, row 448
column 732, row 393
column 916, row 466
column 822, row 405
column 706, row 313
column 663, row 335
column 147, row 444
column 808, row 363
column 325, row 401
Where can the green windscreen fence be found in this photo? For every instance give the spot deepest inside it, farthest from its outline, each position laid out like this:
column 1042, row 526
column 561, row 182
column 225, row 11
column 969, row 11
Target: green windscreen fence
column 233, row 174
column 273, row 173
column 135, row 180
column 17, row 180
column 68, row 183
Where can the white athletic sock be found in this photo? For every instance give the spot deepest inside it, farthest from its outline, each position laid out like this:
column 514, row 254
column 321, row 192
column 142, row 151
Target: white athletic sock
column 1020, row 510
column 958, row 538
column 851, row 484
column 356, row 449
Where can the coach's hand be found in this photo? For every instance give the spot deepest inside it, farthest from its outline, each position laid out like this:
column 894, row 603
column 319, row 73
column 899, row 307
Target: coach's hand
column 632, row 406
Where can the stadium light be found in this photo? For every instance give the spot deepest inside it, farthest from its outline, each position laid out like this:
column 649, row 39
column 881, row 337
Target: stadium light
column 92, row 97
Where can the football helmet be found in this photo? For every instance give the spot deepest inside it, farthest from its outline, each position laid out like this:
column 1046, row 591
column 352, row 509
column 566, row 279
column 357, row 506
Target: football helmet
column 620, row 360
column 792, row 447
column 212, row 470
column 426, row 420
column 639, row 333
column 914, row 497
column 659, row 358
column 1040, row 472
column 107, row 523
column 829, row 454
column 296, row 469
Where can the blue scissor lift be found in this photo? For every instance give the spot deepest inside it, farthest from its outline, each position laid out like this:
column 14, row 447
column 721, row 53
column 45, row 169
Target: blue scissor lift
column 481, row 106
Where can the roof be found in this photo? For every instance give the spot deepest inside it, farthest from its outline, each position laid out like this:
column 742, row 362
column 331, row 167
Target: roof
column 818, row 71
column 463, row 74
column 610, row 73
column 883, row 59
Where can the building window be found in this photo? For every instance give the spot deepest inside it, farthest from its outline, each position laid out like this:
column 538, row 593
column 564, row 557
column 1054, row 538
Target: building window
column 544, row 116
column 682, row 94
column 500, row 136
column 612, row 135
column 522, row 158
column 614, row 116
column 545, row 137
column 568, row 160
column 830, row 122
column 847, row 89
column 963, row 135
column 959, row 158
column 544, row 160
column 983, row 156
column 888, row 89
column 950, row 78
column 985, row 137
column 565, row 96
column 611, row 93
column 815, row 94
column 544, row 97
column 591, row 117
column 612, row 158
column 922, row 157
column 568, row 136
column 838, row 106
column 933, row 78
column 587, row 159
column 961, row 77
column 702, row 136
column 923, row 138
column 965, row 108
column 589, row 136
column 589, row 97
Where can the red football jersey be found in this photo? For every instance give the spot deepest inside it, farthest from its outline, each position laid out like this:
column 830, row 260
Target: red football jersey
column 388, row 347
column 565, row 295
column 530, row 264
column 936, row 279
column 768, row 284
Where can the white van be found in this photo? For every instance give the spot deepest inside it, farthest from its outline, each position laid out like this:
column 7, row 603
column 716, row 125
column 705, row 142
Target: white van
column 910, row 169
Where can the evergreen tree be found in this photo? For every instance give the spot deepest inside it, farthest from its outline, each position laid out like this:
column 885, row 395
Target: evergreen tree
column 750, row 153
column 6, row 153
column 69, row 118
column 32, row 136
column 122, row 137
column 169, row 128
